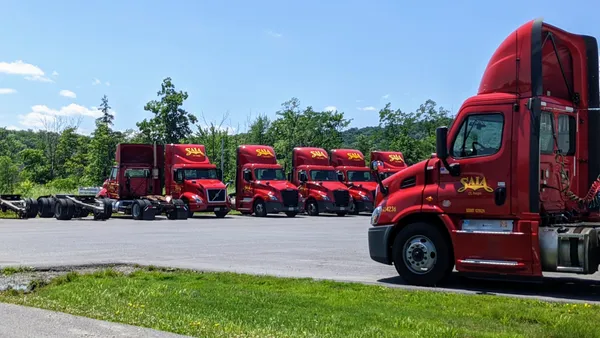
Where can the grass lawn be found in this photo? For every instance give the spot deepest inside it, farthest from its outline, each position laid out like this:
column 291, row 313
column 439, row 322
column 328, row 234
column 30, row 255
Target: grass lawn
column 234, row 305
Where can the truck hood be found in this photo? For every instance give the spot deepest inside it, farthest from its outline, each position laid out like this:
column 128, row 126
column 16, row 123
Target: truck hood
column 326, row 185
column 275, row 185
column 365, row 186
column 206, row 184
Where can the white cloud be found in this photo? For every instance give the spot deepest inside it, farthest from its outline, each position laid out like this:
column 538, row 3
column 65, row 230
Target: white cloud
column 31, row 72
column 12, row 128
column 274, row 34
column 42, row 113
column 54, row 73
column 107, row 83
column 4, row 91
column 96, row 82
column 20, row 68
column 330, row 108
column 67, row 93
column 368, row 108
column 38, row 78
column 385, row 96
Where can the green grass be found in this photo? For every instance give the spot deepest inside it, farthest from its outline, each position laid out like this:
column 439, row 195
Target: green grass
column 11, row 270
column 227, row 305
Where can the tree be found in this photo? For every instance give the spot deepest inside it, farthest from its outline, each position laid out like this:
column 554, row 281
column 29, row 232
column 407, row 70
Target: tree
column 107, row 117
column 170, row 123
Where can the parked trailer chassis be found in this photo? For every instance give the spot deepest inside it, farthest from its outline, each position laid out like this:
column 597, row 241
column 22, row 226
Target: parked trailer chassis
column 147, row 207
column 23, row 207
column 66, row 207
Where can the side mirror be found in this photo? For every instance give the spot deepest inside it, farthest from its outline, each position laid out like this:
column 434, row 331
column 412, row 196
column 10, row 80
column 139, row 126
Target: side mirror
column 375, row 165
column 340, row 176
column 219, row 174
column 441, row 150
column 247, row 176
column 303, row 177
column 441, row 142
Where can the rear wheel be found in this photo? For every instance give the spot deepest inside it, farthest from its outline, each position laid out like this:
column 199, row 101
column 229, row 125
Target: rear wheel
column 31, row 208
column 422, row 255
column 64, row 209
column 45, row 209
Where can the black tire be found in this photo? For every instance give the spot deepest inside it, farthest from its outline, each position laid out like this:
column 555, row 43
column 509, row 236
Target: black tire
column 45, row 207
column 312, row 208
column 190, row 213
column 221, row 213
column 260, row 208
column 341, row 214
column 61, row 210
column 430, row 249
column 353, row 209
column 291, row 213
column 31, row 208
column 137, row 209
column 106, row 212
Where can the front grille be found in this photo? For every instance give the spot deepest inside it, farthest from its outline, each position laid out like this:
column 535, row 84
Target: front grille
column 342, row 198
column 290, row 198
column 216, row 195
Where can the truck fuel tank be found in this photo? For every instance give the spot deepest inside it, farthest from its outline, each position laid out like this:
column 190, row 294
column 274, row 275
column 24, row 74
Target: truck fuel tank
column 570, row 248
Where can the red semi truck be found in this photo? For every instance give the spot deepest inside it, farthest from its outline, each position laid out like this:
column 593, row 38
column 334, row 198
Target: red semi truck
column 513, row 187
column 261, row 186
column 356, row 175
column 191, row 177
column 135, row 185
column 318, row 182
column 392, row 162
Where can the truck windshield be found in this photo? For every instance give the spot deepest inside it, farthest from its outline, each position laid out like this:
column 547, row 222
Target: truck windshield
column 323, row 175
column 269, row 174
column 137, row 173
column 360, row 176
column 199, row 174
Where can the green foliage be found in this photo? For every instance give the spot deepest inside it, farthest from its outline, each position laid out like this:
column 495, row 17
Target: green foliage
column 58, row 158
column 170, row 123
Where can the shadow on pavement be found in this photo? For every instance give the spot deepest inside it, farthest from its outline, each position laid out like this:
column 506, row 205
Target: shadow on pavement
column 555, row 288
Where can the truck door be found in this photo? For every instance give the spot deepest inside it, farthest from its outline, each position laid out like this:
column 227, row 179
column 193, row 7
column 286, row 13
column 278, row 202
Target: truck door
column 247, row 192
column 479, row 197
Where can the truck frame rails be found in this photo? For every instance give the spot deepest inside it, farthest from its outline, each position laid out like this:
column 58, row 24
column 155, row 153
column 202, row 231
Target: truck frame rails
column 148, row 207
column 66, row 207
column 23, row 207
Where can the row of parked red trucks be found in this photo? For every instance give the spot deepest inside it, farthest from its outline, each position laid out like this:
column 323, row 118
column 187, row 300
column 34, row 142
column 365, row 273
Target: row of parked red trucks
column 178, row 180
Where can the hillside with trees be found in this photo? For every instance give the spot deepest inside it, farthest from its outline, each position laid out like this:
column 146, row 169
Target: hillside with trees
column 56, row 158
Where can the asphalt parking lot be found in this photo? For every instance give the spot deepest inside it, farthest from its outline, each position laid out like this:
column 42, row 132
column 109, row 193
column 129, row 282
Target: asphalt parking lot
column 324, row 247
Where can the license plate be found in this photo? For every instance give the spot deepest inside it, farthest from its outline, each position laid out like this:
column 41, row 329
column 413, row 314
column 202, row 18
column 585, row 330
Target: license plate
column 217, row 208
column 342, row 208
column 291, row 208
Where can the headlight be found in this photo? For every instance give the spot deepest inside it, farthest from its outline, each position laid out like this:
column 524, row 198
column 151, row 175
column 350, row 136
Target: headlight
column 364, row 197
column 273, row 197
column 325, row 197
column 375, row 215
column 197, row 199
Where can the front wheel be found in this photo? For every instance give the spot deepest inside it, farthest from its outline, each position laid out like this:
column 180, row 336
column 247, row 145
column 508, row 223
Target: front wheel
column 312, row 208
column 422, row 254
column 260, row 209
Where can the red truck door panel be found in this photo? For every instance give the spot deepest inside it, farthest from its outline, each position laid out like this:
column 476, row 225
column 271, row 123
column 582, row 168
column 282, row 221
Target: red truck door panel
column 480, row 195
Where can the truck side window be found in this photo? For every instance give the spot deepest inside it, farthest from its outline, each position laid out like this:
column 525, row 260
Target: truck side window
column 479, row 135
column 546, row 133
column 179, row 175
column 113, row 174
column 566, row 134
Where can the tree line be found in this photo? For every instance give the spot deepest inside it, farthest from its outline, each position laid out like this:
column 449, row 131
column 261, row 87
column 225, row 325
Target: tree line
column 58, row 159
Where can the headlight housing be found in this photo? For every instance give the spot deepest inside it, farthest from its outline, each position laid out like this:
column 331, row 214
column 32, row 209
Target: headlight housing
column 375, row 215
column 272, row 197
column 364, row 197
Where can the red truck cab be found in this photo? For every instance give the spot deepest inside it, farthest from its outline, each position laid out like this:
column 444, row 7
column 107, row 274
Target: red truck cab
column 191, row 177
column 261, row 185
column 356, row 175
column 392, row 162
column 318, row 182
column 135, row 185
column 513, row 187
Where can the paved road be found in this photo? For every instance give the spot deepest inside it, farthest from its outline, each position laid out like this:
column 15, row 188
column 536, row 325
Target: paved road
column 20, row 321
column 322, row 247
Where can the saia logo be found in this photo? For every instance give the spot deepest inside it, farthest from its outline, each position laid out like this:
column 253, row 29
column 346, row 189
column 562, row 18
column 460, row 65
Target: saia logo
column 355, row 156
column 318, row 154
column 247, row 188
column 474, row 184
column 264, row 153
column 193, row 152
column 396, row 158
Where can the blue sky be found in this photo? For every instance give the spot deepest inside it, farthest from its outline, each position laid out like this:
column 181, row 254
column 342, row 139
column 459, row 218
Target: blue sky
column 247, row 57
